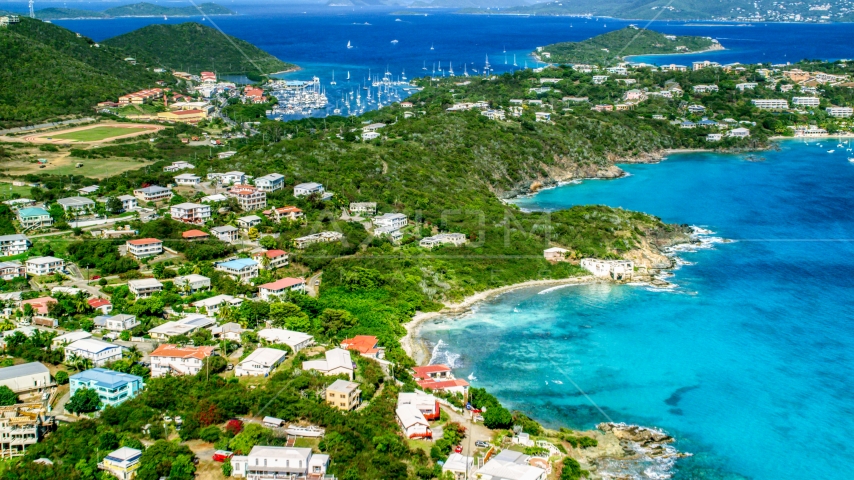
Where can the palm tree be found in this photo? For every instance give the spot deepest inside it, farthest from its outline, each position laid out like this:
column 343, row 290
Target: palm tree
column 132, row 353
column 78, row 363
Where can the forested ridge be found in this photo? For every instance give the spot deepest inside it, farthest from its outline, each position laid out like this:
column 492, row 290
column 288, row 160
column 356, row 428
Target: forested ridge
column 48, row 71
column 194, row 48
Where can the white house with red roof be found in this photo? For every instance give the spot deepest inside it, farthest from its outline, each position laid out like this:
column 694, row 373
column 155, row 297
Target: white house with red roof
column 439, row 377
column 289, row 212
column 366, row 345
column 274, row 259
column 169, row 359
column 280, row 287
column 101, row 304
column 144, row 247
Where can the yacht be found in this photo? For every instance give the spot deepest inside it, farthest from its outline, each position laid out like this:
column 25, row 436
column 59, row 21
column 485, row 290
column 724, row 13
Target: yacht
column 851, row 159
column 349, row 45
column 394, row 42
column 333, row 78
column 831, row 151
column 424, row 66
column 431, row 46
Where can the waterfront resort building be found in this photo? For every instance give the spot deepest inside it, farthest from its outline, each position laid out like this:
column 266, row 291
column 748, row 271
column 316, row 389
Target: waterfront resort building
column 112, row 387
column 613, row 269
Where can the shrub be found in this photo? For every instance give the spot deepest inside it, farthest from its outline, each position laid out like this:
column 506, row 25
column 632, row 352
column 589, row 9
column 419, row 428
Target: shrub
column 61, row 377
column 7, row 396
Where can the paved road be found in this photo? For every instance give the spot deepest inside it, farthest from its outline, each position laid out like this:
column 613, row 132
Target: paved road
column 310, row 288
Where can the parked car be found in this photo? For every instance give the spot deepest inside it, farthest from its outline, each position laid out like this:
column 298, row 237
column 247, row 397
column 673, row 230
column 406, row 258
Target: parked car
column 481, row 444
column 222, row 455
column 458, row 449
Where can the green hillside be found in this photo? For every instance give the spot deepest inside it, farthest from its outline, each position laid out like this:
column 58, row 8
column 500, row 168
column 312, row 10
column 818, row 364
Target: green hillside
column 194, row 48
column 48, row 71
column 611, row 47
column 148, row 9
column 135, row 10
column 58, row 13
column 734, row 10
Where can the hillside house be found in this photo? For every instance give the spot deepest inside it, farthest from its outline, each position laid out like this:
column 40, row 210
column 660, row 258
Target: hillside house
column 144, row 287
column 144, row 247
column 260, row 363
column 169, row 359
column 337, row 362
column 192, row 213
column 242, row 269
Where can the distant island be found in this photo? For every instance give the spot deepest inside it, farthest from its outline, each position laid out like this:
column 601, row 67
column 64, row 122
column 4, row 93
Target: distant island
column 192, row 47
column 135, row 10
column 612, row 47
column 725, row 10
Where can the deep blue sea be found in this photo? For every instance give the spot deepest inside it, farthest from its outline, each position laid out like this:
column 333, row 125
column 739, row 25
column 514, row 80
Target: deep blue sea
column 749, row 362
column 315, row 37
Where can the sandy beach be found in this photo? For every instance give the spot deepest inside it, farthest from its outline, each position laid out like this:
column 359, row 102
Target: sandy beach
column 416, row 349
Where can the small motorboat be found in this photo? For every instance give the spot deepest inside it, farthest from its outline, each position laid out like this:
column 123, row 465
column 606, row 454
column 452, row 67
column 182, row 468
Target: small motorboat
column 831, row 151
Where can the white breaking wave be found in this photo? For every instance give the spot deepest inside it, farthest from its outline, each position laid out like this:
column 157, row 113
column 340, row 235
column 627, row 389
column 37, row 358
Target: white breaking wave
column 552, row 289
column 441, row 355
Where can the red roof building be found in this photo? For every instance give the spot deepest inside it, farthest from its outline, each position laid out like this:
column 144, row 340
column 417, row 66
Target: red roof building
column 195, row 235
column 364, row 344
column 439, row 377
column 432, row 372
column 39, row 305
column 101, row 304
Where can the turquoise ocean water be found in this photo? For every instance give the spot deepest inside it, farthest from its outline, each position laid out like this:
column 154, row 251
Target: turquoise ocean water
column 748, row 362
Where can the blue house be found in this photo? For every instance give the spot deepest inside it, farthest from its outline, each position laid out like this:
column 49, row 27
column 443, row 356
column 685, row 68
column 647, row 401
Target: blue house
column 113, row 387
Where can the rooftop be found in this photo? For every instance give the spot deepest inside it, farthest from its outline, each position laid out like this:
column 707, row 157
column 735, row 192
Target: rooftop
column 144, row 241
column 170, row 350
column 15, row 371
column 105, row 378
column 91, row 345
column 32, row 212
column 343, row 386
column 282, row 283
column 238, row 263
column 265, row 356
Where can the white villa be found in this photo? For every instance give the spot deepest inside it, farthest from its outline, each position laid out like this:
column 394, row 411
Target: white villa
column 304, row 189
column 98, row 351
column 296, row 340
column 613, row 269
column 261, row 362
column 337, row 361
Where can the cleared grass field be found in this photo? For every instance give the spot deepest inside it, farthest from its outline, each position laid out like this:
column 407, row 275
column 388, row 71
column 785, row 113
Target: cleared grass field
column 65, row 165
column 97, row 134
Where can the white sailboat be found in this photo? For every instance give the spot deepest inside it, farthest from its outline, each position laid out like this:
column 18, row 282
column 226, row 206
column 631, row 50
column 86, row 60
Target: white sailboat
column 333, row 78
column 431, row 47
column 348, row 74
column 349, row 45
column 514, row 60
column 424, row 66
